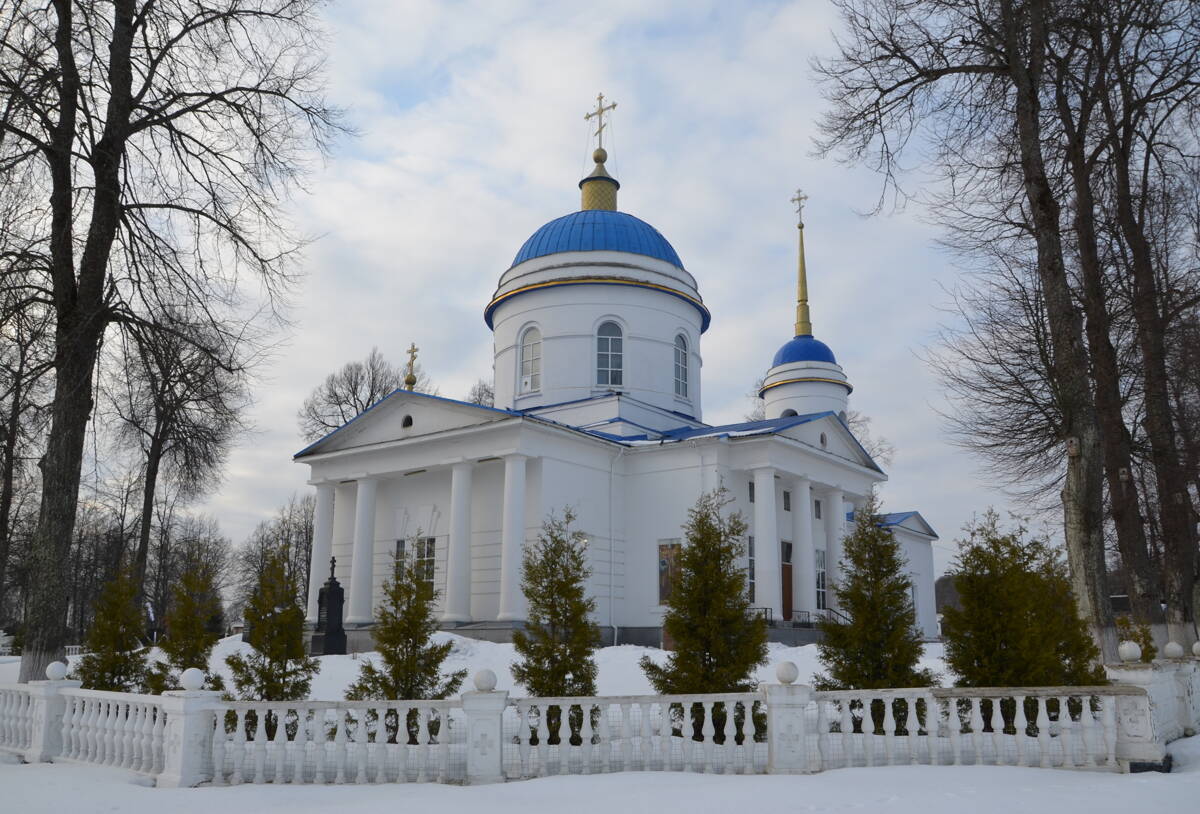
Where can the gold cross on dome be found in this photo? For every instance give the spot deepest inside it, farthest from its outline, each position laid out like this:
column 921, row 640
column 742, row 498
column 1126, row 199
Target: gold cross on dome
column 410, row 380
column 598, row 114
column 798, row 199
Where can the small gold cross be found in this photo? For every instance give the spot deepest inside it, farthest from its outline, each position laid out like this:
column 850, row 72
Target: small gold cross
column 798, row 199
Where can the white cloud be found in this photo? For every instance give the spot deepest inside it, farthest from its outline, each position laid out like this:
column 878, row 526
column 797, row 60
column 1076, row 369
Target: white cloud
column 473, row 136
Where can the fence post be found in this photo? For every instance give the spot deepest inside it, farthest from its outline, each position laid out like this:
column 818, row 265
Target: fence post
column 187, row 739
column 484, row 709
column 47, row 708
column 787, row 740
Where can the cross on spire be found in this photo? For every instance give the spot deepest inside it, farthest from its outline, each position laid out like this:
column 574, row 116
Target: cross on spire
column 798, row 200
column 598, row 114
column 410, row 380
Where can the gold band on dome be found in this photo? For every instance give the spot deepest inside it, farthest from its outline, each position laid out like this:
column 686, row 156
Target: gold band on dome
column 846, row 385
column 706, row 316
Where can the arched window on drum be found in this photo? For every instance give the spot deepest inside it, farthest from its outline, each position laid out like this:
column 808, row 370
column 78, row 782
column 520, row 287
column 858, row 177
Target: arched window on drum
column 681, row 366
column 610, row 356
column 531, row 361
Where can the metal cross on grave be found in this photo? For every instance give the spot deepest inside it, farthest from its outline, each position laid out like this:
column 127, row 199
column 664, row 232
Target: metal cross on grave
column 598, row 114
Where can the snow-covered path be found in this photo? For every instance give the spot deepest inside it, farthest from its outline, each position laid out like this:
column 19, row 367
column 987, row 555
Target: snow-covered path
column 897, row 790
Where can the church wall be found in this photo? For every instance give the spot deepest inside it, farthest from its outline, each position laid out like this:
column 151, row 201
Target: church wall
column 407, row 507
column 343, row 529
column 487, row 517
column 568, row 318
column 918, row 551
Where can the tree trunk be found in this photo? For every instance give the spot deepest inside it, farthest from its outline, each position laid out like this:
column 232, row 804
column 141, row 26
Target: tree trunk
column 149, row 486
column 8, row 475
column 1082, row 496
column 1115, row 439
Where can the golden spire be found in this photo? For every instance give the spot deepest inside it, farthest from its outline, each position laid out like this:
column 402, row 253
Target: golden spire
column 410, row 378
column 803, row 321
column 599, row 189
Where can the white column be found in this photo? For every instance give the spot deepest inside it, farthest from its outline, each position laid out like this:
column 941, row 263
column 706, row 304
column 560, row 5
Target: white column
column 362, row 563
column 457, row 607
column 322, row 546
column 804, row 578
column 512, row 540
column 768, row 589
column 835, row 521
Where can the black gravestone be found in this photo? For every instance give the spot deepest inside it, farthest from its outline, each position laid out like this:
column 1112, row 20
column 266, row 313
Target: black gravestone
column 329, row 639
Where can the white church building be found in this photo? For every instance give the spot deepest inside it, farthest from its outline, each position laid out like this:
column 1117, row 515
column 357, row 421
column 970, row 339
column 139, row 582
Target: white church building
column 598, row 331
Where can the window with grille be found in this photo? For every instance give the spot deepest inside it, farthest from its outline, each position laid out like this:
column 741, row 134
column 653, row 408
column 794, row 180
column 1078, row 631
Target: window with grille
column 681, row 366
column 750, row 567
column 531, row 361
column 787, row 501
column 668, row 567
column 421, row 554
column 610, row 355
column 817, row 509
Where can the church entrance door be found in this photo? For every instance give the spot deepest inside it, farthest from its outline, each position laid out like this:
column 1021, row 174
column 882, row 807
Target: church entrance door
column 785, row 568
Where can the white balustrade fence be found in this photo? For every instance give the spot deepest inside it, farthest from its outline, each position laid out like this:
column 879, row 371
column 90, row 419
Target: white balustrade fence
column 341, row 742
column 704, row 733
column 123, row 730
column 191, row 737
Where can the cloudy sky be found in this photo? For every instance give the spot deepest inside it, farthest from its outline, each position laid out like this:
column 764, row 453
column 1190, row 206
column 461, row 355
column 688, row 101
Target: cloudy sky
column 472, row 135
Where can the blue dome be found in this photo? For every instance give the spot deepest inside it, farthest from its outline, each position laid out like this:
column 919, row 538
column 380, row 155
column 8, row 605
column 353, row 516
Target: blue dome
column 594, row 230
column 804, row 349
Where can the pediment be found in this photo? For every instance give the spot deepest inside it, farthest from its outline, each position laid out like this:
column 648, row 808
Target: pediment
column 838, row 440
column 402, row 415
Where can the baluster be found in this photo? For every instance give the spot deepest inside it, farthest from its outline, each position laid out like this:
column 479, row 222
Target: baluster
column 339, row 746
column 279, row 746
column 360, row 747
column 239, row 748
column 300, row 749
column 954, row 721
column 104, row 726
column 1021, row 728
column 157, row 739
column 543, row 740
column 1043, row 733
column 381, row 745
column 120, row 732
column 606, row 744
column 868, row 730
column 1087, row 730
column 96, row 732
column 66, row 731
column 586, row 732
column 912, row 724
column 320, row 737
column 7, row 718
column 997, row 723
column 402, row 743
column 1109, row 711
column 706, row 734
column 744, row 732
column 685, row 730
column 889, row 731
column 115, row 733
column 845, row 736
column 645, row 744
column 523, row 738
column 444, row 745
column 977, row 736
column 626, row 739
column 933, row 724
column 1066, row 733
column 664, row 735
column 422, row 745
column 260, row 745
column 133, row 739
column 218, row 747
column 824, row 741
column 564, row 738
column 146, row 766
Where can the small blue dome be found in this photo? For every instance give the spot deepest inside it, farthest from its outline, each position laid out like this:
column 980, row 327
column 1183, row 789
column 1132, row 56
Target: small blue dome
column 594, row 230
column 804, row 349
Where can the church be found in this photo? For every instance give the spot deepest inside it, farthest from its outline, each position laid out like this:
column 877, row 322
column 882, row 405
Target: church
column 598, row 330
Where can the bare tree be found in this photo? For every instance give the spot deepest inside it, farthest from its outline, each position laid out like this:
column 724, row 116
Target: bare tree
column 178, row 399
column 162, row 136
column 351, row 390
column 482, row 393
column 965, row 76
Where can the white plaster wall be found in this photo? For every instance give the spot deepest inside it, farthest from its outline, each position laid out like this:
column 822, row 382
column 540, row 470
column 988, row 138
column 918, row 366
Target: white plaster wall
column 568, row 318
column 805, row 397
column 918, row 550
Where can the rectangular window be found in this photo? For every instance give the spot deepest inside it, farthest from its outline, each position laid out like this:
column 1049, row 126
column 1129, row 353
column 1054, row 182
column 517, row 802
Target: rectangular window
column 820, row 570
column 787, row 501
column 610, row 355
column 817, row 509
column 785, row 552
column 751, row 491
column 750, row 566
column 681, row 367
column 423, row 558
column 668, row 567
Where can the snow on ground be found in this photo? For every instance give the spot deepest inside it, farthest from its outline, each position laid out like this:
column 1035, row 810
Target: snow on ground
column 896, row 790
column 619, row 673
